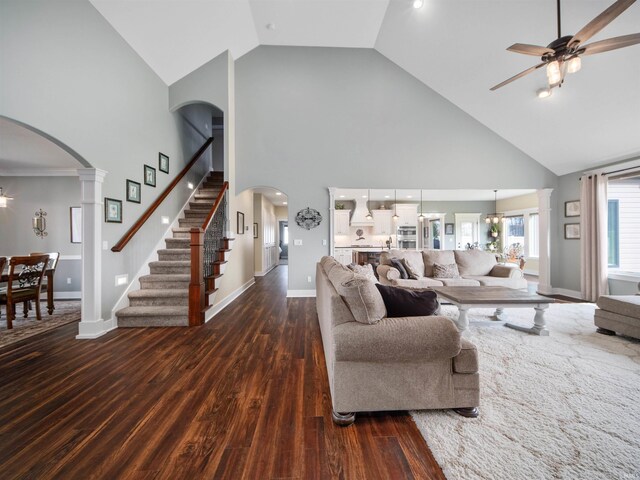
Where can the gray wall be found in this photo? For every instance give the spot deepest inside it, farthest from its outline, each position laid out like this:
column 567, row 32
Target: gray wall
column 310, row 118
column 565, row 254
column 68, row 73
column 16, row 233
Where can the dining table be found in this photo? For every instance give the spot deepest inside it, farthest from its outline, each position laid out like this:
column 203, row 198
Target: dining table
column 4, row 278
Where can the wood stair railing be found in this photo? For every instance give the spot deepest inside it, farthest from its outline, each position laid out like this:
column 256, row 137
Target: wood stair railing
column 152, row 208
column 200, row 287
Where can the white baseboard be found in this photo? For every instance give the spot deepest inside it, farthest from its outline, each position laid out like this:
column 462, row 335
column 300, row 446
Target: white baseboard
column 67, row 295
column 263, row 273
column 91, row 330
column 301, row 293
column 222, row 304
column 567, row 293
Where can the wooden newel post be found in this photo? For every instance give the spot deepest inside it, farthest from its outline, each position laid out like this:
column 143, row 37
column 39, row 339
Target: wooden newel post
column 196, row 283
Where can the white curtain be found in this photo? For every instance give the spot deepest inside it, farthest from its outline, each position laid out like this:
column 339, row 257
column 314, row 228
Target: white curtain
column 593, row 232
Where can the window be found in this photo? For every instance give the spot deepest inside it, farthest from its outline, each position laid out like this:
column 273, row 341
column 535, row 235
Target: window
column 624, row 224
column 534, row 235
column 514, row 230
column 285, row 235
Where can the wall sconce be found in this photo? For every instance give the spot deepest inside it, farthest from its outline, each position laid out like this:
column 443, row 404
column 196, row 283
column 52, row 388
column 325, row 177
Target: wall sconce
column 40, row 224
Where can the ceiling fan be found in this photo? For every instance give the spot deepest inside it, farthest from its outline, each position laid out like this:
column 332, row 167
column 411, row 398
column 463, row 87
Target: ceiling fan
column 562, row 56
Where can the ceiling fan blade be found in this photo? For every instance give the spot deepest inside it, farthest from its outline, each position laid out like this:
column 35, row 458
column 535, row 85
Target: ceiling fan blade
column 611, row 44
column 601, row 21
column 529, row 49
column 516, row 77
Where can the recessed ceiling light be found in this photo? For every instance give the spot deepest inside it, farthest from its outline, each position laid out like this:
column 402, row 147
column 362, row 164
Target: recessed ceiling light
column 271, row 26
column 387, row 196
column 278, row 193
column 284, row 203
column 409, row 196
column 418, row 3
column 364, row 196
column 341, row 196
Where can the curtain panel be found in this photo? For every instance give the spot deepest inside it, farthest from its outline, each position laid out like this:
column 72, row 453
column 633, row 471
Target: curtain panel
column 593, row 242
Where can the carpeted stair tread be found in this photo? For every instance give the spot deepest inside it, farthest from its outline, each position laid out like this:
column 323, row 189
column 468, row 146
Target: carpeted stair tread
column 151, row 293
column 153, row 316
column 177, row 243
column 161, row 311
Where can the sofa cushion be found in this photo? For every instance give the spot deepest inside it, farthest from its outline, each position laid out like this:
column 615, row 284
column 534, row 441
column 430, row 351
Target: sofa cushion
column 397, row 264
column 363, row 299
column 459, row 282
column 628, row 305
column 445, row 271
column 422, row 284
column 401, row 302
column 430, row 257
column 363, row 270
column 489, row 281
column 474, row 262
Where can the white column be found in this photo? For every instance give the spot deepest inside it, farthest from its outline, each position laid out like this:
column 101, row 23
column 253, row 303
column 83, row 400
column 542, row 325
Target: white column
column 92, row 325
column 544, row 247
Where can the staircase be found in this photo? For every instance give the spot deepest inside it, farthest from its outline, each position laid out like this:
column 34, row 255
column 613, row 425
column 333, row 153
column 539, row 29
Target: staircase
column 163, row 298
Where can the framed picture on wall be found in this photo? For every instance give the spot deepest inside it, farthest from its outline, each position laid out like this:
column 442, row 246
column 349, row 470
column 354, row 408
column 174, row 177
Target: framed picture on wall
column 163, row 162
column 75, row 222
column 240, row 220
column 449, row 228
column 255, row 230
column 149, row 176
column 572, row 208
column 572, row 231
column 134, row 191
column 112, row 210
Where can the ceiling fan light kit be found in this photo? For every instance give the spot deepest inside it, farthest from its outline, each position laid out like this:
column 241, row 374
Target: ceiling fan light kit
column 562, row 56
column 418, row 3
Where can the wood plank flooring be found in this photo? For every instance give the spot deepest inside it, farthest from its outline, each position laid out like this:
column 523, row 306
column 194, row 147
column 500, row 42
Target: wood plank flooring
column 245, row 396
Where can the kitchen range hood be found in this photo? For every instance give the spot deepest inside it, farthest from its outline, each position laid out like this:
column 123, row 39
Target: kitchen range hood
column 359, row 217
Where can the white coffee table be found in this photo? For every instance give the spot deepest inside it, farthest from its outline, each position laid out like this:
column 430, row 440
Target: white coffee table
column 499, row 298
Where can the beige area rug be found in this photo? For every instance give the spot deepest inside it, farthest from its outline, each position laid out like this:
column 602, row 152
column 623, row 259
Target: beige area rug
column 565, row 406
column 65, row 312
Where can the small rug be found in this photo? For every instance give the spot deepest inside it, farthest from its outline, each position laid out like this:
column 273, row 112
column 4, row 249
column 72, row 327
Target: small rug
column 564, row 406
column 65, row 312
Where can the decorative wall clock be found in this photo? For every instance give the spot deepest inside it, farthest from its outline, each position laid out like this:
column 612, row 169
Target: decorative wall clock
column 308, row 218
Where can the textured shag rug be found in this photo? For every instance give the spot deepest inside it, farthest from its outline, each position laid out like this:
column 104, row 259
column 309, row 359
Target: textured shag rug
column 564, row 406
column 66, row 311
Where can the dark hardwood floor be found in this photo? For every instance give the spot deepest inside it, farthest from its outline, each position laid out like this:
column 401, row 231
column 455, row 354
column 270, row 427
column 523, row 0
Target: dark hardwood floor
column 245, row 396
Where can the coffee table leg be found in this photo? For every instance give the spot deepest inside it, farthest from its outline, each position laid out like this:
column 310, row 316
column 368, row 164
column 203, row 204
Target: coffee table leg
column 463, row 321
column 499, row 314
column 539, row 323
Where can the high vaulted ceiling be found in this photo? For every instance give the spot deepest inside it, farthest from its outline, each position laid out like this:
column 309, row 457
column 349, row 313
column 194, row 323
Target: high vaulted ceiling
column 455, row 47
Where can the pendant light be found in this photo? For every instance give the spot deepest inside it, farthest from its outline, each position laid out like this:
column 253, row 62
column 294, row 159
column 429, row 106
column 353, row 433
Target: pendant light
column 494, row 218
column 395, row 203
column 368, row 216
column 421, row 216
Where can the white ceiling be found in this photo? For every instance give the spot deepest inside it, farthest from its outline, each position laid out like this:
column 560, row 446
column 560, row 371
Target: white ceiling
column 21, row 150
column 456, row 47
column 276, row 197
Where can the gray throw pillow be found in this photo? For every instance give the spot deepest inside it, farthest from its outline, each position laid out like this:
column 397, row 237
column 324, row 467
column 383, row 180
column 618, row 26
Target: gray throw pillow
column 397, row 264
column 411, row 271
column 363, row 299
column 445, row 271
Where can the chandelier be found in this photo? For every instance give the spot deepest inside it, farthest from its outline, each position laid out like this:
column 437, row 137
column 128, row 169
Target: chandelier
column 495, row 217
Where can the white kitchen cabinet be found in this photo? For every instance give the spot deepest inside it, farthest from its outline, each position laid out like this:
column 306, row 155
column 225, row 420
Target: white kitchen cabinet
column 343, row 255
column 408, row 213
column 341, row 222
column 382, row 222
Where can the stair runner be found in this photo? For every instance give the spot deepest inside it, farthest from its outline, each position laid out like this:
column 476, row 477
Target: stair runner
column 163, row 298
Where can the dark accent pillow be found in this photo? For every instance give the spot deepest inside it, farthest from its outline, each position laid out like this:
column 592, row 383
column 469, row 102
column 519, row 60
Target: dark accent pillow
column 401, row 302
column 397, row 264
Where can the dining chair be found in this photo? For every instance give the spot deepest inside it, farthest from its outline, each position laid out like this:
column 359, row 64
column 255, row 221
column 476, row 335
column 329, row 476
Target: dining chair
column 53, row 263
column 24, row 284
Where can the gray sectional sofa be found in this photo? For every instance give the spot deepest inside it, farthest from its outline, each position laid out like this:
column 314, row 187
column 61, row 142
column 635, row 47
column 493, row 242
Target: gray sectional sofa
column 390, row 363
column 475, row 267
column 618, row 314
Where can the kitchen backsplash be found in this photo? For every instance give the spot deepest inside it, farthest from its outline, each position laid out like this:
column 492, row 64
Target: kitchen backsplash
column 369, row 238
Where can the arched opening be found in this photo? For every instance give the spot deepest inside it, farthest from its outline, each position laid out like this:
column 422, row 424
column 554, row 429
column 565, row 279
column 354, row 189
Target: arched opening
column 40, row 176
